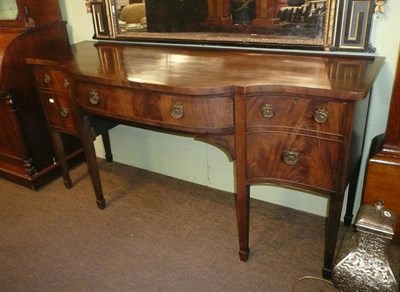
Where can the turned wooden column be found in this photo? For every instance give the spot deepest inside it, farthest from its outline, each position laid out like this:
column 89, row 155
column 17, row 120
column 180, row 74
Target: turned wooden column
column 219, row 12
column 266, row 12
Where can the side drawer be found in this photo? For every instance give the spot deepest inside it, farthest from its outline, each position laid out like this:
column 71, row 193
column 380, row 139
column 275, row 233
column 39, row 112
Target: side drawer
column 293, row 160
column 58, row 110
column 49, row 79
column 191, row 113
column 315, row 114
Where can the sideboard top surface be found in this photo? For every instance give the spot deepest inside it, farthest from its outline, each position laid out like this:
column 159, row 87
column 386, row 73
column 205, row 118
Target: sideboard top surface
column 213, row 71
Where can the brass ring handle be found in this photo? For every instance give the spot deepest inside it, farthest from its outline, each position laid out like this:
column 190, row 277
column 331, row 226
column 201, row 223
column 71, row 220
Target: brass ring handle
column 94, row 97
column 46, row 78
column 176, row 110
column 268, row 111
column 64, row 112
column 66, row 83
column 290, row 156
column 321, row 116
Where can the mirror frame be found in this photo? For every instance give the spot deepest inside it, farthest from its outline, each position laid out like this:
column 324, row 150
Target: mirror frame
column 347, row 26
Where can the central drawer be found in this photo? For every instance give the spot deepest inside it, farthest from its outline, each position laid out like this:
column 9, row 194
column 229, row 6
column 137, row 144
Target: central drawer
column 184, row 112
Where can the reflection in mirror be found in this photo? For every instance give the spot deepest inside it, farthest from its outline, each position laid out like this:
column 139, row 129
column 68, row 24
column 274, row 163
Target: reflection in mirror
column 131, row 15
column 255, row 18
column 8, row 10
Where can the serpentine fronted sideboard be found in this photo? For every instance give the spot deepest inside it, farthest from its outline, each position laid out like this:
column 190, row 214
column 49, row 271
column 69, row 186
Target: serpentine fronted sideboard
column 290, row 119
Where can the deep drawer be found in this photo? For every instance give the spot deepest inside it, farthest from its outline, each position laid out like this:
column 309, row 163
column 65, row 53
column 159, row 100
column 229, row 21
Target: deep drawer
column 192, row 113
column 287, row 113
column 58, row 110
column 293, row 160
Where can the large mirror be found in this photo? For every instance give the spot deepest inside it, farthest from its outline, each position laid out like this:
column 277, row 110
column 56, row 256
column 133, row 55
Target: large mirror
column 310, row 24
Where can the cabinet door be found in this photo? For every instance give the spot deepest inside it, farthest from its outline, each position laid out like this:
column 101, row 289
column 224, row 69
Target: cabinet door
column 12, row 145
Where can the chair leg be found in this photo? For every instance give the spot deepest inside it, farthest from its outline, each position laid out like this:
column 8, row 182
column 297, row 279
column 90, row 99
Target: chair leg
column 61, row 158
column 107, row 146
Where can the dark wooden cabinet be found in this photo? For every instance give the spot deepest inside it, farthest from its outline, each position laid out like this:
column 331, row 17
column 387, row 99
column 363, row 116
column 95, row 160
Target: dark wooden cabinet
column 36, row 31
column 382, row 176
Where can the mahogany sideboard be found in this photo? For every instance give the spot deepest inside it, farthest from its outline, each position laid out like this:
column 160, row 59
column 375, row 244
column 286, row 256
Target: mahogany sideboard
column 295, row 120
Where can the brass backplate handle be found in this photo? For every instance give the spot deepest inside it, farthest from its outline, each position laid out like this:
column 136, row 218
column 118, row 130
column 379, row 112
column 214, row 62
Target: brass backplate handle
column 290, row 156
column 46, row 78
column 176, row 110
column 94, row 97
column 321, row 116
column 268, row 111
column 64, row 112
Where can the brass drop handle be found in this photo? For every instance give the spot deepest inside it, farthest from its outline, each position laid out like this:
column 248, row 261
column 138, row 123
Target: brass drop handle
column 321, row 116
column 94, row 97
column 46, row 78
column 176, row 110
column 290, row 156
column 64, row 112
column 268, row 111
column 66, row 83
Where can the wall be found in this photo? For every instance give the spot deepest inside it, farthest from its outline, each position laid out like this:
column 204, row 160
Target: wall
column 8, row 10
column 195, row 161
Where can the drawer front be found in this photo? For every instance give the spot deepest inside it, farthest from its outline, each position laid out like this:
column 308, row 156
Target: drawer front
column 192, row 113
column 49, row 79
column 58, row 111
column 313, row 114
column 293, row 160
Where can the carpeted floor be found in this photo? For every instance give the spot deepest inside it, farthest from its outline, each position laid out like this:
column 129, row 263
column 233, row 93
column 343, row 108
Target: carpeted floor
column 156, row 234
